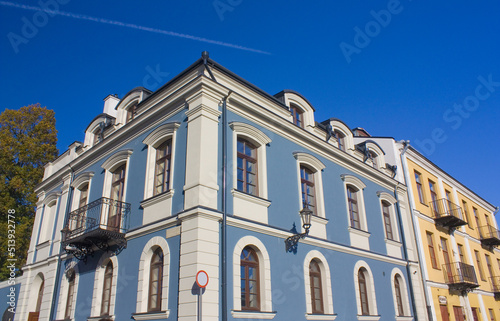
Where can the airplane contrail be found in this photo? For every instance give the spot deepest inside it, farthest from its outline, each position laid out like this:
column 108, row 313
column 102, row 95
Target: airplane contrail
column 130, row 25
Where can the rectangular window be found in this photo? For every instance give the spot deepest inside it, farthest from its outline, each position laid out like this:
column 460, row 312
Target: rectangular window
column 476, row 217
column 432, row 252
column 418, row 180
column 461, row 253
column 475, row 314
column 479, row 265
column 297, row 116
column 466, row 211
column 387, row 220
column 246, row 167
column 434, row 196
column 492, row 315
column 352, row 200
column 488, row 265
column 340, row 140
column 162, row 168
column 307, row 189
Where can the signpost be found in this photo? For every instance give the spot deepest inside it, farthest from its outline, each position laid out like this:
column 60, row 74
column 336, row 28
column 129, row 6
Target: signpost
column 201, row 281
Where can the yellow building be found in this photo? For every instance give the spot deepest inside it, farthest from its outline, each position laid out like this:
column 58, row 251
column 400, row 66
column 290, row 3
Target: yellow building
column 458, row 241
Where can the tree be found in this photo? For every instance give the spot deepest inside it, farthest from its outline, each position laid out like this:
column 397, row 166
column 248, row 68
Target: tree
column 28, row 139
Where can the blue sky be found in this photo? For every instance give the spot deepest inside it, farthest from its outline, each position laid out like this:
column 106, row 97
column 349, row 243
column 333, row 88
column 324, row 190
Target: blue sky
column 425, row 71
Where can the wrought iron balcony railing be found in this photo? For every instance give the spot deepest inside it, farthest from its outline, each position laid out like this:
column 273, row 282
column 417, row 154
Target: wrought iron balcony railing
column 460, row 275
column 101, row 223
column 446, row 213
column 489, row 235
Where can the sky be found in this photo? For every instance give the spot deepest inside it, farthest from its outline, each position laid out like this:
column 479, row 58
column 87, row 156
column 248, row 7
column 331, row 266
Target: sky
column 424, row 71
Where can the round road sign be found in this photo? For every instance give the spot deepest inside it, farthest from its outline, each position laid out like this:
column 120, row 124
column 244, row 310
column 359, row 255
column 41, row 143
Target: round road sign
column 202, row 278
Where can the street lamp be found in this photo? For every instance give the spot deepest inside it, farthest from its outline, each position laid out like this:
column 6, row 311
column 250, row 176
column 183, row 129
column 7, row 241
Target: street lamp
column 292, row 242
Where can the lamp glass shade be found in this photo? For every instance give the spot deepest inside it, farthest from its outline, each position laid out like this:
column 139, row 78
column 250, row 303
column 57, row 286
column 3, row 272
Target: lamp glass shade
column 305, row 215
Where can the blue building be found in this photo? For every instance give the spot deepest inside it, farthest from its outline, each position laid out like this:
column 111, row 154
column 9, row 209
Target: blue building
column 211, row 173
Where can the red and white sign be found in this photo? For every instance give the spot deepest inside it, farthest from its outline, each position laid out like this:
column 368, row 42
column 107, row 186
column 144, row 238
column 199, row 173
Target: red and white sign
column 202, row 278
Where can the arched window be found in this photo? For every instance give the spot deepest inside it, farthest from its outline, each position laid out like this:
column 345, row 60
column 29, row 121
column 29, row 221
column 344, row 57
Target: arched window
column 155, row 281
column 106, row 291
column 399, row 298
column 308, row 189
column 162, row 168
column 316, row 288
column 71, row 293
column 363, row 291
column 352, row 200
column 247, row 167
column 250, row 294
column 297, row 115
column 40, row 297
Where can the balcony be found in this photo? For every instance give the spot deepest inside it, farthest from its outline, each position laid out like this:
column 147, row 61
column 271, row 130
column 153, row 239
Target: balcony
column 460, row 276
column 495, row 285
column 100, row 224
column 489, row 235
column 447, row 214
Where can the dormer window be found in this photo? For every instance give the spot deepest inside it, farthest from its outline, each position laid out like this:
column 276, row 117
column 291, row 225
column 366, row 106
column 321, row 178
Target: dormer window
column 298, row 118
column 340, row 139
column 97, row 136
column 131, row 112
column 373, row 157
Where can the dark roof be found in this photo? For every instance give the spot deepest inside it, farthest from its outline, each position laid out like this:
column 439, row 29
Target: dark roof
column 289, row 91
column 140, row 88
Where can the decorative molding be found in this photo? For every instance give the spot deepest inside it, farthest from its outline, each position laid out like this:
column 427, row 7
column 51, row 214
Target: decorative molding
column 251, row 198
column 386, row 196
column 82, row 178
column 368, row 317
column 151, row 315
column 353, row 180
column 161, row 132
column 329, row 317
column 116, row 158
column 253, row 315
column 250, row 131
column 157, row 198
column 309, row 159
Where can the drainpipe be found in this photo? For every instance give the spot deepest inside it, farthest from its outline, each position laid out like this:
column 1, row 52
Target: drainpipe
column 224, row 209
column 405, row 253
column 406, row 145
column 58, row 269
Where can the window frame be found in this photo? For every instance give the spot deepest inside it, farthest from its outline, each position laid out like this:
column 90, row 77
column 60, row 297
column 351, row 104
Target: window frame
column 252, row 159
column 305, row 185
column 246, row 265
column 313, row 275
column 70, row 297
column 158, row 266
column 420, row 190
column 99, row 284
column 432, row 250
column 316, row 167
column 371, row 300
column 479, row 265
column 297, row 115
column 166, row 161
column 326, row 285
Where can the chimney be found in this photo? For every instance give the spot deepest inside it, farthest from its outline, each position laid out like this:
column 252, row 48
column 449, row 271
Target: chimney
column 110, row 103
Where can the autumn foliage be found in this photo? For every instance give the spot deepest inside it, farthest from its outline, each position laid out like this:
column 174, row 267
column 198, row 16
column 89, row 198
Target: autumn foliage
column 28, row 140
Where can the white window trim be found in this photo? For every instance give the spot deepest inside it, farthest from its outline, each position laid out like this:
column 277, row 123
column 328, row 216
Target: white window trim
column 317, row 166
column 63, row 295
column 326, row 285
column 378, row 152
column 113, row 162
column 370, row 289
column 260, row 140
column 51, row 203
column 348, row 138
column 124, row 110
column 384, row 196
column 33, row 295
column 99, row 285
column 82, row 179
column 360, row 186
column 266, row 304
column 404, row 294
column 153, row 140
column 143, row 280
column 303, row 105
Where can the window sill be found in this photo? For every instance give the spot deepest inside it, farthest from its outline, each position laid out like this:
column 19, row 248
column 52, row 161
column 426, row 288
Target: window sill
column 251, row 198
column 102, row 317
column 151, row 315
column 329, row 317
column 253, row 315
column 43, row 244
column 393, row 242
column 404, row 318
column 358, row 231
column 368, row 317
column 157, row 198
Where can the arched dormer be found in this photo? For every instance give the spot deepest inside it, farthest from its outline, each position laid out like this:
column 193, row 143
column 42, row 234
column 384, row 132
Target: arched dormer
column 94, row 133
column 341, row 135
column 372, row 153
column 301, row 110
column 127, row 108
